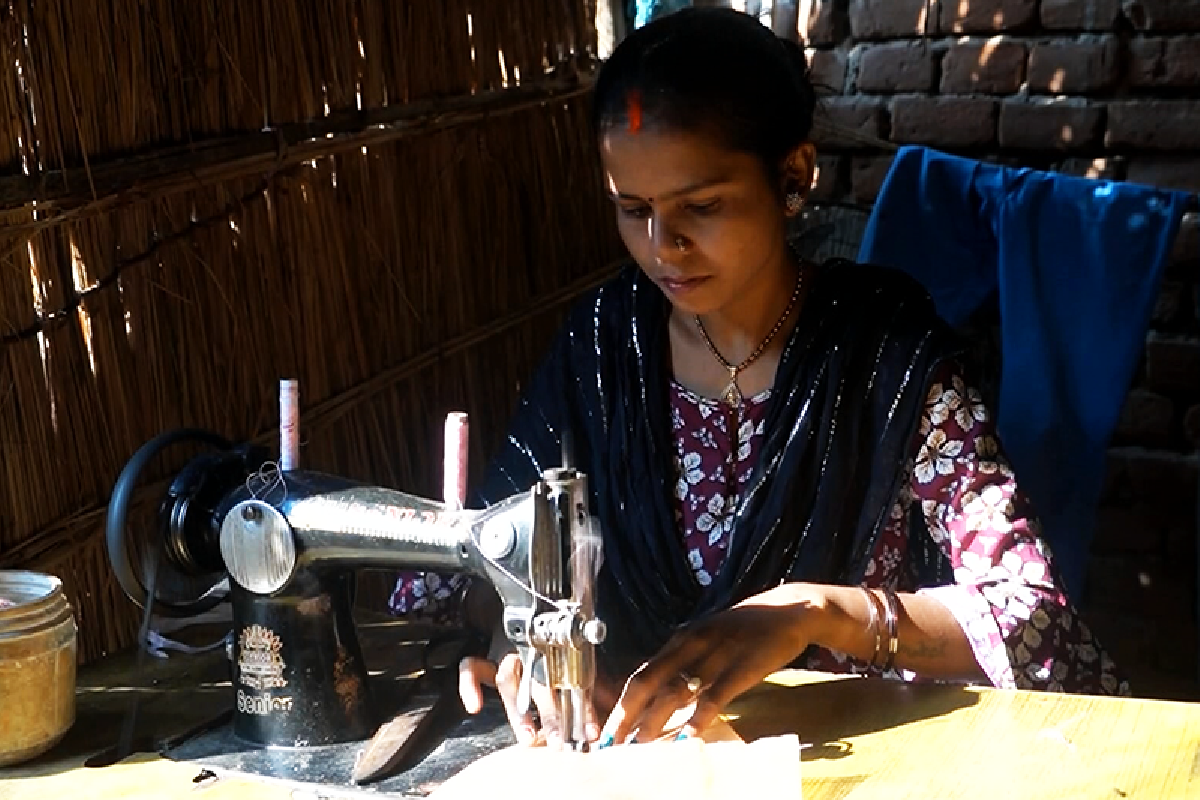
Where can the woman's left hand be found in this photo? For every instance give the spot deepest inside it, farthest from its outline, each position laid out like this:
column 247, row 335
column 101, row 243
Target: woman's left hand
column 711, row 662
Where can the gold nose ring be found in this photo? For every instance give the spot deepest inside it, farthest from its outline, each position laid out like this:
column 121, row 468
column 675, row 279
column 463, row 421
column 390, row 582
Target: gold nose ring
column 681, row 243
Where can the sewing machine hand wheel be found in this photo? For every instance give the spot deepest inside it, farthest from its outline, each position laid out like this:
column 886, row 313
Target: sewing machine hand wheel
column 188, row 576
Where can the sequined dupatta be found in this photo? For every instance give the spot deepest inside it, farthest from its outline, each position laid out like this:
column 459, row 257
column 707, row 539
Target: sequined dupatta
column 843, row 411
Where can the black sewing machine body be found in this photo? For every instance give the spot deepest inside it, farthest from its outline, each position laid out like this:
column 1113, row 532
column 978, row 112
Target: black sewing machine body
column 286, row 546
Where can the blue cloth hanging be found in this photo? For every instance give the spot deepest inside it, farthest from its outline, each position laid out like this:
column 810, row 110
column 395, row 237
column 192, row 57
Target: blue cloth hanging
column 644, row 11
column 1077, row 264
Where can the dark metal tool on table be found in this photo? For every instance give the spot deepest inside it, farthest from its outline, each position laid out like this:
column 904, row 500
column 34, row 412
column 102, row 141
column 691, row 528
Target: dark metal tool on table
column 282, row 545
column 402, row 740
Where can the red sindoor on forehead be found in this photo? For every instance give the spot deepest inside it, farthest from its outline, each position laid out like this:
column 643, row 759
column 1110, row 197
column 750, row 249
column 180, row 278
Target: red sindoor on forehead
column 633, row 110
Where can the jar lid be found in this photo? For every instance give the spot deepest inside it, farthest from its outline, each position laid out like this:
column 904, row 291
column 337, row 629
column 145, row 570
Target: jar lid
column 20, row 587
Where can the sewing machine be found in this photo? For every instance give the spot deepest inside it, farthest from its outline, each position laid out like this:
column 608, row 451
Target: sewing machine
column 282, row 545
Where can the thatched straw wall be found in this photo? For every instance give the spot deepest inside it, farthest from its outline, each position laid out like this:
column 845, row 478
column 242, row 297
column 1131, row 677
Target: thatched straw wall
column 389, row 201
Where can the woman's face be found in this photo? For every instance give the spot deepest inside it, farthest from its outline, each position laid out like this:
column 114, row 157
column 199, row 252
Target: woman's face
column 702, row 221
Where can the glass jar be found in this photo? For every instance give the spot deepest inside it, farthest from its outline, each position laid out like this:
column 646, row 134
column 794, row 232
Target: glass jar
column 37, row 665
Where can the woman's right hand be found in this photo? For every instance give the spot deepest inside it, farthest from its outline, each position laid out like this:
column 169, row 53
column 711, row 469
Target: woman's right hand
column 502, row 669
column 540, row 728
column 537, row 725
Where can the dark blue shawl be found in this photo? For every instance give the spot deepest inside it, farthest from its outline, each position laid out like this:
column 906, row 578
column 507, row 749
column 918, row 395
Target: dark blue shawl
column 844, row 409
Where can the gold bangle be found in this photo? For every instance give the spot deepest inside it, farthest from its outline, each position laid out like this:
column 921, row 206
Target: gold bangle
column 873, row 625
column 892, row 621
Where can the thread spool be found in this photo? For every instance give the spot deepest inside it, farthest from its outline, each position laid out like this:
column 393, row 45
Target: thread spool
column 289, row 424
column 454, row 461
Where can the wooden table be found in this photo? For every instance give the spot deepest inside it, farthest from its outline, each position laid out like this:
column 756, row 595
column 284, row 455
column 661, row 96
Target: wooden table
column 868, row 740
column 862, row 739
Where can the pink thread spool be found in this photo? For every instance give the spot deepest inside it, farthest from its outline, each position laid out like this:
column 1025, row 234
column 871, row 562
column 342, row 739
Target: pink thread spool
column 454, row 463
column 289, row 424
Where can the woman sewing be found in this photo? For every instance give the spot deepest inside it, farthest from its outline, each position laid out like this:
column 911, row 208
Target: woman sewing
column 788, row 461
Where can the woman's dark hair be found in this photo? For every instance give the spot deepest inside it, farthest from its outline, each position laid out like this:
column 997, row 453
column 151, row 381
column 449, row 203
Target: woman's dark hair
column 714, row 71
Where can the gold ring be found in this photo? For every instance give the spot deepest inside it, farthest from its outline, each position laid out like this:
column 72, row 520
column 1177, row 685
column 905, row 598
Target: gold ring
column 694, row 684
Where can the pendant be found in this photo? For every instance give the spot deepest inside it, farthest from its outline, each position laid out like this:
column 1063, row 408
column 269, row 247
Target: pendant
column 733, row 395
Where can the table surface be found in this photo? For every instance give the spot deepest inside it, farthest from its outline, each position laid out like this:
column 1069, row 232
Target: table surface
column 862, row 739
column 867, row 740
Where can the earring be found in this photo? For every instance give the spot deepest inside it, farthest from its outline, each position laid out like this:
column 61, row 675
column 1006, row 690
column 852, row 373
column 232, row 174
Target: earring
column 681, row 243
column 794, row 202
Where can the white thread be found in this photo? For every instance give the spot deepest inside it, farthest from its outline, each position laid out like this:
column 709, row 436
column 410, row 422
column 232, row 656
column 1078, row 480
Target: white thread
column 532, row 592
column 268, row 477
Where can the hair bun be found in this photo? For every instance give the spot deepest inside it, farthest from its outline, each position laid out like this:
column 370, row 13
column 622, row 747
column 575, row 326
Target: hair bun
column 795, row 52
column 798, row 62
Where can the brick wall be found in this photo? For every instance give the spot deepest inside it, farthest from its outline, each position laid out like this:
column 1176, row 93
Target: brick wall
column 1102, row 88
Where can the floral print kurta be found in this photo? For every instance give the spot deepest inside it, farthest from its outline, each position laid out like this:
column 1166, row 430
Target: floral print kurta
column 1023, row 630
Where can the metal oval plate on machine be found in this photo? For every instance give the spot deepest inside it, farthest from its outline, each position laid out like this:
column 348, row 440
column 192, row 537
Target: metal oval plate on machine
column 257, row 547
